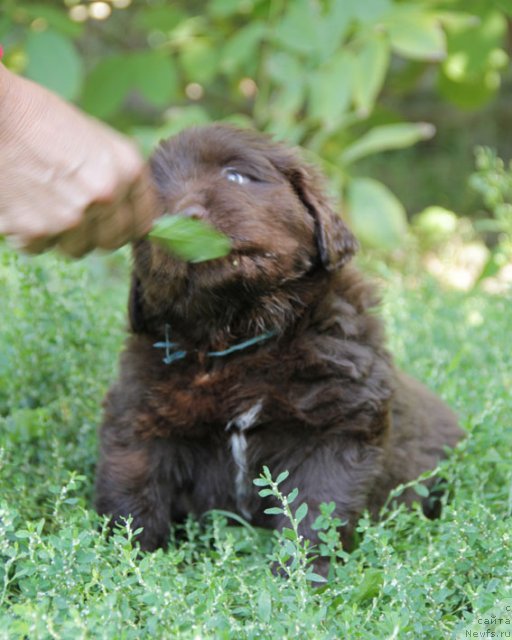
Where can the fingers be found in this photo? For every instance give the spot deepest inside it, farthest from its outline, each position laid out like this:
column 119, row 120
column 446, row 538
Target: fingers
column 144, row 204
column 109, row 226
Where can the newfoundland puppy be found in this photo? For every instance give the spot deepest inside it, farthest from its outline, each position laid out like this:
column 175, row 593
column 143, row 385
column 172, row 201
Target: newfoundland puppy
column 273, row 355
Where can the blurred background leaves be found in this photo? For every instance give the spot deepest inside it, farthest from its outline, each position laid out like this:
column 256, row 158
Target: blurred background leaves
column 350, row 81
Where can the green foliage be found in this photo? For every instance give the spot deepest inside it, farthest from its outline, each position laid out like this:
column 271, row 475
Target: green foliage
column 189, row 239
column 53, row 58
column 311, row 71
column 293, row 551
column 61, row 328
column 470, row 74
column 377, row 218
column 493, row 182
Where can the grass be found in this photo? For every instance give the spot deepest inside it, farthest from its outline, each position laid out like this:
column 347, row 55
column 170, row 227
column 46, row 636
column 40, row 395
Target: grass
column 61, row 328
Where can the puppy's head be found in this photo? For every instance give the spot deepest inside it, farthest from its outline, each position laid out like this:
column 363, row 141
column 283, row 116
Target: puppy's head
column 261, row 195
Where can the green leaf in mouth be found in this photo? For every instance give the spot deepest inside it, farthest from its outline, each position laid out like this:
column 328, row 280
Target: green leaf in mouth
column 189, row 239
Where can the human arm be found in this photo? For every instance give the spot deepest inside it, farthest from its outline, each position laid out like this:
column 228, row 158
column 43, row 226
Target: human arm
column 66, row 179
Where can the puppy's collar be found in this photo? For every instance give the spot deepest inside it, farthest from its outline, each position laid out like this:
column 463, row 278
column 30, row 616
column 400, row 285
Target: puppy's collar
column 173, row 353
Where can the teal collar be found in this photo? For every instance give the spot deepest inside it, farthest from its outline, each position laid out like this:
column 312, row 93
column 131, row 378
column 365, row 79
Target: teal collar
column 173, row 353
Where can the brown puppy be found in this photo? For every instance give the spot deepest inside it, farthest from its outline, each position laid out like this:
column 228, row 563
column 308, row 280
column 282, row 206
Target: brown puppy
column 316, row 393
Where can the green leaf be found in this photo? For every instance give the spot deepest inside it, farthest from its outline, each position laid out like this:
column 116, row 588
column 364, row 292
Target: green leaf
column 292, row 496
column 149, row 72
column 106, row 86
column 435, row 225
column 377, row 217
column 264, row 493
column 417, row 36
column 475, row 48
column 273, row 511
column 371, row 65
column 300, row 30
column 153, row 74
column 264, row 607
column 470, row 94
column 54, row 62
column 189, row 239
column 282, row 477
column 289, row 534
column 289, row 548
column 369, row 11
column 493, row 265
column 385, row 137
column 330, row 89
column 301, row 512
column 421, row 490
column 370, row 585
column 315, row 577
column 242, row 47
column 200, row 60
column 260, row 482
column 335, row 27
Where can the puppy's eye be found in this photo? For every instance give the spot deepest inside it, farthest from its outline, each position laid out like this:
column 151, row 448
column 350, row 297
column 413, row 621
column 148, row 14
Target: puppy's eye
column 235, row 176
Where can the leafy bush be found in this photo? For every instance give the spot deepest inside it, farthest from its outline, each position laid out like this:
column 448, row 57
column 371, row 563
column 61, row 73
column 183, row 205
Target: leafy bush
column 311, row 71
column 493, row 181
column 61, row 327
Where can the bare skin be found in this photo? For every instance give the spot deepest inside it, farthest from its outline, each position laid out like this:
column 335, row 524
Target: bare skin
column 66, row 180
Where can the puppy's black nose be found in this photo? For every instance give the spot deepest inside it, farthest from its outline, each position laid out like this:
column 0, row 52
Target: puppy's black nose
column 195, row 211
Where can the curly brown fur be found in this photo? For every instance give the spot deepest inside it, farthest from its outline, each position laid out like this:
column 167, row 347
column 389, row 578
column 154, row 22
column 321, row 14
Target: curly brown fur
column 321, row 398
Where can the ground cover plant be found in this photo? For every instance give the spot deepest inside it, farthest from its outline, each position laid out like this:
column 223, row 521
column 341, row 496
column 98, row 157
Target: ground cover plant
column 61, row 328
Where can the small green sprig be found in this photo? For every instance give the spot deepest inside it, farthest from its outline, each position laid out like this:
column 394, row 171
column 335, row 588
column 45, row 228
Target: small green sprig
column 189, row 239
column 294, row 554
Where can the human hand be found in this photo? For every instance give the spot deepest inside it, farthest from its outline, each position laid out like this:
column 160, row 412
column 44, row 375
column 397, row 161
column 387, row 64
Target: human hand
column 66, row 180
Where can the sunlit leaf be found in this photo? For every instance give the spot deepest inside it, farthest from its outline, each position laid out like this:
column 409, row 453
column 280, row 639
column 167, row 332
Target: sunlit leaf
column 435, row 225
column 470, row 74
column 242, row 46
column 474, row 48
column 54, row 62
column 367, row 11
column 376, row 215
column 301, row 27
column 330, row 89
column 470, row 93
column 371, row 65
column 189, row 239
column 200, row 60
column 419, row 37
column 385, row 137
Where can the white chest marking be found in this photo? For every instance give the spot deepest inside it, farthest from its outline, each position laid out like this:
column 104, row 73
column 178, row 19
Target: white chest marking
column 238, row 426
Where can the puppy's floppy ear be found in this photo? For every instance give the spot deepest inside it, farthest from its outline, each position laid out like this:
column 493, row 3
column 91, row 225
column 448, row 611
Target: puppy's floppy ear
column 336, row 243
column 135, row 307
